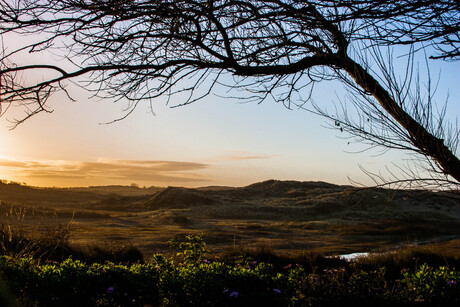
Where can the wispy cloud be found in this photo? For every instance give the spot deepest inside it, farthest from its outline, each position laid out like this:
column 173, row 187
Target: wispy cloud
column 121, row 170
column 244, row 155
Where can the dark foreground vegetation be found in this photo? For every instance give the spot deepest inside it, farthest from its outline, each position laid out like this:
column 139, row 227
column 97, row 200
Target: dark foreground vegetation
column 195, row 277
column 101, row 246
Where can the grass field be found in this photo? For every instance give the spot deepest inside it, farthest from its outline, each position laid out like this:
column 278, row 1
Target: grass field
column 285, row 217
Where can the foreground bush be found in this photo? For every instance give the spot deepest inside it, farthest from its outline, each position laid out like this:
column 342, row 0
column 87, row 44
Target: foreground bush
column 191, row 280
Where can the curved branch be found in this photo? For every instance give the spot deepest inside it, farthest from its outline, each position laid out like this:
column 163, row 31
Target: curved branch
column 420, row 137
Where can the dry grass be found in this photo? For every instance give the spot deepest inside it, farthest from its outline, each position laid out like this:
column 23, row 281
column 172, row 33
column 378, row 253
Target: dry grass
column 42, row 235
column 289, row 217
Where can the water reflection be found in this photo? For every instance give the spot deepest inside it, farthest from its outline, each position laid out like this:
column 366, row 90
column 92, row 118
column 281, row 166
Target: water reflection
column 352, row 256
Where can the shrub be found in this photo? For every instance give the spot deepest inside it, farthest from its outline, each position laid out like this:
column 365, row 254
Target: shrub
column 192, row 280
column 428, row 284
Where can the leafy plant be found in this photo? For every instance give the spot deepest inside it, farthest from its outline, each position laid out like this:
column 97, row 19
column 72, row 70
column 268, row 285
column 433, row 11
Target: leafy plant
column 428, row 284
column 192, row 247
column 196, row 281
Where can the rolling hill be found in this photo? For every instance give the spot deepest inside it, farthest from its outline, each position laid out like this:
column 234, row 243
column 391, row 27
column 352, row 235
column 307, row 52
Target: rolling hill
column 285, row 215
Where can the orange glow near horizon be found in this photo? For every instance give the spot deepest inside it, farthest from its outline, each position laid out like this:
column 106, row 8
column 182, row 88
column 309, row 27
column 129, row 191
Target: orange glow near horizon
column 234, row 169
column 103, row 172
column 215, row 141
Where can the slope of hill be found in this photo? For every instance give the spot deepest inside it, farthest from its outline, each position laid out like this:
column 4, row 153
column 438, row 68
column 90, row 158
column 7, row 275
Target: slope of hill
column 22, row 193
column 285, row 215
column 175, row 198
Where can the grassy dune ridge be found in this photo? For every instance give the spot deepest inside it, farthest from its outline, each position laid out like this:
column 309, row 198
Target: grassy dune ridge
column 283, row 216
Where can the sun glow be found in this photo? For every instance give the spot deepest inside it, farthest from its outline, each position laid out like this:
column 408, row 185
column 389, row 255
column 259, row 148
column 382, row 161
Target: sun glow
column 103, row 171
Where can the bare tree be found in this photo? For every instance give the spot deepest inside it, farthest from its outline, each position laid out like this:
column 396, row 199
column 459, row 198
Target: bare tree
column 418, row 24
column 138, row 50
column 364, row 121
column 405, row 22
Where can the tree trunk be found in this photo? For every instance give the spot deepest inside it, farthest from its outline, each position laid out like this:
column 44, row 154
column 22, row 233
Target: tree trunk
column 428, row 144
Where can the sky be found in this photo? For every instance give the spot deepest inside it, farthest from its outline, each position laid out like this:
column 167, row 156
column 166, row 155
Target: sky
column 215, row 141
